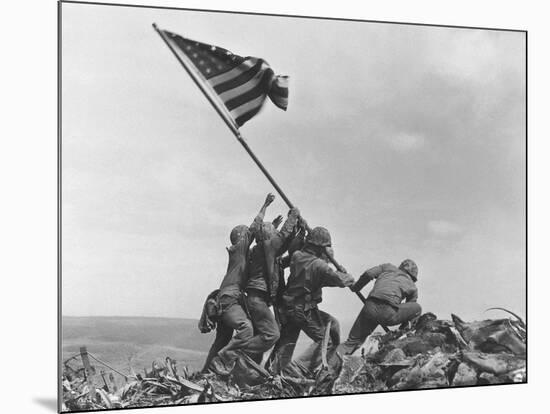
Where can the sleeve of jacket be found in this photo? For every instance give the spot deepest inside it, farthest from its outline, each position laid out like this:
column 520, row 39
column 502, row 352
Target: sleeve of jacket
column 412, row 293
column 255, row 228
column 329, row 277
column 296, row 243
column 290, row 224
column 368, row 275
column 287, row 231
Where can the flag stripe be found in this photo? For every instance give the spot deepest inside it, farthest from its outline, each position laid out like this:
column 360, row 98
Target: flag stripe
column 240, row 85
column 245, row 117
column 280, row 102
column 278, row 92
column 250, row 105
column 245, row 87
column 280, row 87
column 224, row 77
column 258, row 90
column 238, row 79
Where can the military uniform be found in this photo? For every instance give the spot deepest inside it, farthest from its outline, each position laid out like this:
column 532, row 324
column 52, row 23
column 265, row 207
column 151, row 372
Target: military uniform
column 233, row 317
column 264, row 279
column 224, row 334
column 308, row 275
column 383, row 305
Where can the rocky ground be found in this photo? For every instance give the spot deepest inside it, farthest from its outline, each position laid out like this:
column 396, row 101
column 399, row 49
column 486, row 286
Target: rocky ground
column 432, row 353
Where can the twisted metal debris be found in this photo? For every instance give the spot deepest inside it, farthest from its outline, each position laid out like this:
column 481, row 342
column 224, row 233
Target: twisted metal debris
column 432, row 353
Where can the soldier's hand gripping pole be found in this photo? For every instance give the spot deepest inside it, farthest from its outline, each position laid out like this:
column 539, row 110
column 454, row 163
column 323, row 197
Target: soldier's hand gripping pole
column 340, row 268
column 331, row 258
column 230, row 122
column 359, row 294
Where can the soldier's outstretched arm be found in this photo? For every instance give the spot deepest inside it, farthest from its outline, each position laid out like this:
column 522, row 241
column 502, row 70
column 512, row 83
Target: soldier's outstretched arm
column 268, row 200
column 367, row 276
column 280, row 242
column 290, row 223
column 330, row 277
column 258, row 220
column 346, row 278
column 277, row 221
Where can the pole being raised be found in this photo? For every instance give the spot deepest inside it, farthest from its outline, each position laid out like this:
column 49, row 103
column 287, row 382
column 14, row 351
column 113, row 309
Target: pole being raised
column 222, row 111
column 228, row 119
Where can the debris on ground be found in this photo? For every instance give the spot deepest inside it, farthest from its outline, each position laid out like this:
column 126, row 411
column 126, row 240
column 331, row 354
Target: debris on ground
column 431, row 353
column 435, row 353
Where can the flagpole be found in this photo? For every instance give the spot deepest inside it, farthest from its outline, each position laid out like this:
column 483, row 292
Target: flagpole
column 227, row 119
column 233, row 127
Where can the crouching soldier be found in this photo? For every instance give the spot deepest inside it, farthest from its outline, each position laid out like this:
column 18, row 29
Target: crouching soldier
column 383, row 305
column 263, row 283
column 232, row 316
column 309, row 273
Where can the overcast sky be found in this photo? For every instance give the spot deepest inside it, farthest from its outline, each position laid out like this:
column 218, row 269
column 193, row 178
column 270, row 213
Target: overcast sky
column 404, row 141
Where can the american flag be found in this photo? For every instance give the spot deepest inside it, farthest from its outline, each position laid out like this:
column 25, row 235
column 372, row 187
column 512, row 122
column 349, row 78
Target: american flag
column 241, row 83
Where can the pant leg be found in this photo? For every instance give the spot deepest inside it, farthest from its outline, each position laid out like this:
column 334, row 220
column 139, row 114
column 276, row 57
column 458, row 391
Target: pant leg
column 236, row 318
column 314, row 326
column 223, row 336
column 266, row 330
column 284, row 348
column 365, row 323
column 334, row 327
column 334, row 333
column 404, row 313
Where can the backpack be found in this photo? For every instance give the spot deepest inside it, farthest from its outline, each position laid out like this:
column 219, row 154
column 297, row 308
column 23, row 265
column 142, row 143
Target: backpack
column 210, row 312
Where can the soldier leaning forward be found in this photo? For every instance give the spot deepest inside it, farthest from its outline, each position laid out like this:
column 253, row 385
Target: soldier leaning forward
column 210, row 320
column 309, row 273
column 263, row 283
column 232, row 315
column 383, row 305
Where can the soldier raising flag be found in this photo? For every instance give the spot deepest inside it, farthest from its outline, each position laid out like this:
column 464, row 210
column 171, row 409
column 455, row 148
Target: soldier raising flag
column 237, row 88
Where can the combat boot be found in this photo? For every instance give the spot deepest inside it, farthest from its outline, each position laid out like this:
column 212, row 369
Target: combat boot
column 223, row 364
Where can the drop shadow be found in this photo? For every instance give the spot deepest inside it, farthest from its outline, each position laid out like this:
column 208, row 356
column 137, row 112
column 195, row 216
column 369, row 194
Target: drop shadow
column 46, row 402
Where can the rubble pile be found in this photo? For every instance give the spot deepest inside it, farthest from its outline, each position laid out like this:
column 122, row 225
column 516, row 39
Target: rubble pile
column 431, row 353
column 162, row 385
column 437, row 353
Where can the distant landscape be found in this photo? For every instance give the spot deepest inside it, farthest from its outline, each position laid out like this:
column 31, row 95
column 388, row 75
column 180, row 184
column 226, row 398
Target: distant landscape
column 138, row 341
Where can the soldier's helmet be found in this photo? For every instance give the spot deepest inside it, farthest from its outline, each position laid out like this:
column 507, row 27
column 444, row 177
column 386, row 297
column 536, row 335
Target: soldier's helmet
column 267, row 231
column 237, row 233
column 410, row 267
column 319, row 236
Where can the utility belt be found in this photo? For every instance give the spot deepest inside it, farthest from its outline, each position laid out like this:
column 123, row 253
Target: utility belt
column 307, row 301
column 224, row 302
column 262, row 294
